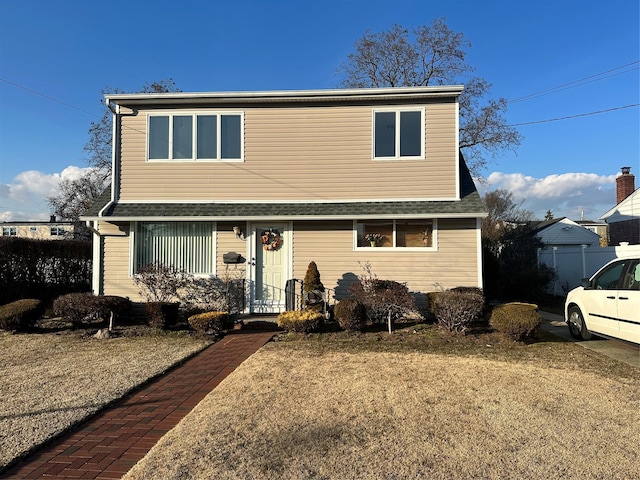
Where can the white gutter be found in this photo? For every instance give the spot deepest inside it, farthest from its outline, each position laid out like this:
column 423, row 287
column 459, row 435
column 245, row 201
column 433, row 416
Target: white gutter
column 114, row 147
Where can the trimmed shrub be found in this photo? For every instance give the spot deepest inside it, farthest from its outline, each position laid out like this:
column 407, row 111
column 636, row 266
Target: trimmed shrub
column 304, row 321
column 162, row 314
column 209, row 322
column 105, row 304
column 21, row 314
column 516, row 320
column 75, row 307
column 456, row 309
column 351, row 314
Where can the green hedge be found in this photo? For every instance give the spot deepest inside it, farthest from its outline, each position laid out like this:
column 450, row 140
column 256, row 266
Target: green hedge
column 21, row 314
column 516, row 320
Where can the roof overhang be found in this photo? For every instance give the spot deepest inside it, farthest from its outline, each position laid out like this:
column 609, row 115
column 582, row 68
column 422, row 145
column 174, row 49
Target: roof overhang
column 285, row 96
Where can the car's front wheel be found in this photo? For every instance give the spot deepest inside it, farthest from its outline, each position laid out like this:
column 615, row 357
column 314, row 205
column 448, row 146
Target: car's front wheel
column 577, row 327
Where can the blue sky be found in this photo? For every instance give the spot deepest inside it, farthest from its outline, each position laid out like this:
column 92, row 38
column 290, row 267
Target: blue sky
column 549, row 58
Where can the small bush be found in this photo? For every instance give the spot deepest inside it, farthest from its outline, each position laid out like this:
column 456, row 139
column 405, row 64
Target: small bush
column 517, row 320
column 105, row 304
column 162, row 314
column 304, row 321
column 21, row 314
column 75, row 307
column 456, row 309
column 351, row 314
column 209, row 322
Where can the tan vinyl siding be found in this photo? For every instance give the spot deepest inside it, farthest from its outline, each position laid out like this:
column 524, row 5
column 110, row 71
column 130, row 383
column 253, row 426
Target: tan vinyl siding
column 298, row 153
column 330, row 245
column 227, row 242
column 116, row 269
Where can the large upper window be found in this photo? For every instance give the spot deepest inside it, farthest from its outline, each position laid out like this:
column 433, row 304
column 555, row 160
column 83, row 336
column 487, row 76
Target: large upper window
column 395, row 233
column 198, row 136
column 187, row 246
column 398, row 134
column 9, row 232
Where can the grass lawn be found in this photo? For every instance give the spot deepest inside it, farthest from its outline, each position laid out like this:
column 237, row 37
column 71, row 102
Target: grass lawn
column 412, row 405
column 52, row 381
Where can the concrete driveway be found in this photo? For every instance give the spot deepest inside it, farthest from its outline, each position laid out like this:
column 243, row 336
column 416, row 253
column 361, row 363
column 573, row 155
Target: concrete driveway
column 616, row 349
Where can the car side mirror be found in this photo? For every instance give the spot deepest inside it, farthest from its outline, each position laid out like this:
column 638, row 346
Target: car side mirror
column 585, row 283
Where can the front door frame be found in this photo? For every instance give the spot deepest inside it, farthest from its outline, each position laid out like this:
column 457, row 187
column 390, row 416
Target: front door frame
column 253, row 271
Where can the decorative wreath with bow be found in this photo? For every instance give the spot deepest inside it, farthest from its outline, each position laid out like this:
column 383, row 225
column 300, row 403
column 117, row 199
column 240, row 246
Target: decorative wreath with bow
column 271, row 239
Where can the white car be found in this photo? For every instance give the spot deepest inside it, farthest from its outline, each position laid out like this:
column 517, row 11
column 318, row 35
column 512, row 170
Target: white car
column 608, row 303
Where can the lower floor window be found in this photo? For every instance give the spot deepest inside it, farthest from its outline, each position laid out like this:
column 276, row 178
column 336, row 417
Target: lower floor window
column 395, row 233
column 187, row 246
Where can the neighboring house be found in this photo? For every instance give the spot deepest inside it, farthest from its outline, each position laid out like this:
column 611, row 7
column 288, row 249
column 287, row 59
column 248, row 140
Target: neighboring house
column 285, row 178
column 563, row 233
column 51, row 230
column 596, row 227
column 624, row 218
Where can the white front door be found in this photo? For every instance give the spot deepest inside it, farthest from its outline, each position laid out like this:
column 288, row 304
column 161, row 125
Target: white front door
column 269, row 267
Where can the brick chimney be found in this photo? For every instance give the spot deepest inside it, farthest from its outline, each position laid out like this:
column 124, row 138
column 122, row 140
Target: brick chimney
column 625, row 184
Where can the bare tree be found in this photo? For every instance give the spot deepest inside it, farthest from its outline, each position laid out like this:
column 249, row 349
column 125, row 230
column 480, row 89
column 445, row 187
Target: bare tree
column 502, row 211
column 434, row 55
column 76, row 196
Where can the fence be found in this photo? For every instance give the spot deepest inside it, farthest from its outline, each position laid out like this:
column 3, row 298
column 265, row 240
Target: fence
column 572, row 264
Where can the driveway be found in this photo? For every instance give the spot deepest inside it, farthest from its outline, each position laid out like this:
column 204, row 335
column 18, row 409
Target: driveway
column 617, row 349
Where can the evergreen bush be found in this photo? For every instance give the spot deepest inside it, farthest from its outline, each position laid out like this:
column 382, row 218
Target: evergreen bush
column 209, row 322
column 517, row 320
column 304, row 321
column 351, row 314
column 313, row 289
column 21, row 314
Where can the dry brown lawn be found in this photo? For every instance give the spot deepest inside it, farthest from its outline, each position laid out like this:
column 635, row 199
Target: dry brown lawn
column 411, row 407
column 49, row 382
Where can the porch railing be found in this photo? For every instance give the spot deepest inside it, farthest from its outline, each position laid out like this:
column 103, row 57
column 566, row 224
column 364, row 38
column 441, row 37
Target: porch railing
column 296, row 299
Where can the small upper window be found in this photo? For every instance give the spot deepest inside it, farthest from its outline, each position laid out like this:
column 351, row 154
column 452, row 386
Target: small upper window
column 9, row 232
column 398, row 134
column 57, row 231
column 210, row 136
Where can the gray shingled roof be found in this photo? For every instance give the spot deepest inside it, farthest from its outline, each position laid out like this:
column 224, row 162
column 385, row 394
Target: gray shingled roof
column 470, row 205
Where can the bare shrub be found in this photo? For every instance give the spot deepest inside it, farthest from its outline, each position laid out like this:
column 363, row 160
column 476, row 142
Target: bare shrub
column 75, row 307
column 456, row 309
column 384, row 300
column 160, row 283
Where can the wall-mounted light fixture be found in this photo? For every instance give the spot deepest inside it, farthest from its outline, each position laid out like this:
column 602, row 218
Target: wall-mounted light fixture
column 238, row 232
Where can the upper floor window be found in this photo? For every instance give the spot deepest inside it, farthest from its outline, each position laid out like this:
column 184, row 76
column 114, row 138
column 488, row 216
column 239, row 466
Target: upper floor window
column 198, row 136
column 57, row 231
column 9, row 231
column 398, row 134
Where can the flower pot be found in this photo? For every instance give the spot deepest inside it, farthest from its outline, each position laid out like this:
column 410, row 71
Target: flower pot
column 373, row 243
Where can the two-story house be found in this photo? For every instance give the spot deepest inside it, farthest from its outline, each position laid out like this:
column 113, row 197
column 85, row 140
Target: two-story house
column 285, row 178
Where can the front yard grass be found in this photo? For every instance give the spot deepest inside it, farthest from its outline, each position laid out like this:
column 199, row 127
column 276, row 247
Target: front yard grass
column 416, row 404
column 51, row 381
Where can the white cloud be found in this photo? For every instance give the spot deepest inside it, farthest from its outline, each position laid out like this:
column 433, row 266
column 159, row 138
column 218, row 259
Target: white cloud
column 26, row 197
column 566, row 195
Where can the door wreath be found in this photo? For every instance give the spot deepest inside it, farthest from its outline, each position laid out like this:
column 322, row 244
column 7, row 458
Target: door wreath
column 271, row 239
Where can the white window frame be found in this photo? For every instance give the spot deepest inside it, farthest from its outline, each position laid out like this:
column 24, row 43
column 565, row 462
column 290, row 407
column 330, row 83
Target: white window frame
column 133, row 250
column 194, row 135
column 11, row 231
column 397, row 111
column 434, row 236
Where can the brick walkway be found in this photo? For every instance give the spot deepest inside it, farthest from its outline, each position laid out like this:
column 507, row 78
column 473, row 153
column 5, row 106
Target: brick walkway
column 109, row 444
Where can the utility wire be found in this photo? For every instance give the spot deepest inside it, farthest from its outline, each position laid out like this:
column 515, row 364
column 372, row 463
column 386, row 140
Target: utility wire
column 574, row 116
column 580, row 82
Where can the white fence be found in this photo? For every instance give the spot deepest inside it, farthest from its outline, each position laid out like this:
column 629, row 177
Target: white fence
column 572, row 264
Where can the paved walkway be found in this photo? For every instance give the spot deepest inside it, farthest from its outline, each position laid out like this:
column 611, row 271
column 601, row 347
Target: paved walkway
column 616, row 349
column 112, row 442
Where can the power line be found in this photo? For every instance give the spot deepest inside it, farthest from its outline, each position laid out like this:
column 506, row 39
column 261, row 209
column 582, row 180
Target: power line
column 47, row 97
column 574, row 116
column 580, row 82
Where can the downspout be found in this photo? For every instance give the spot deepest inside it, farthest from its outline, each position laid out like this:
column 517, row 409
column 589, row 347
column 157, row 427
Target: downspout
column 98, row 287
